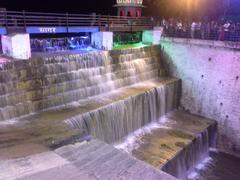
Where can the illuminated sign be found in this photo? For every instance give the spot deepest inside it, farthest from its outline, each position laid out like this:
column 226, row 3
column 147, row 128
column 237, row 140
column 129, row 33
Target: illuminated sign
column 130, row 2
column 53, row 30
column 47, row 30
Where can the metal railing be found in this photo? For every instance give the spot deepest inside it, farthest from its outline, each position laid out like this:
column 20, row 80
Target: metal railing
column 32, row 19
column 217, row 34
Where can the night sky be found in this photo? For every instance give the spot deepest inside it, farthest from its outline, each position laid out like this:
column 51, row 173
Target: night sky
column 78, row 6
column 167, row 8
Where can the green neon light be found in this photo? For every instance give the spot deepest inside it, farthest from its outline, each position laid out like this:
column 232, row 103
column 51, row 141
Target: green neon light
column 126, row 46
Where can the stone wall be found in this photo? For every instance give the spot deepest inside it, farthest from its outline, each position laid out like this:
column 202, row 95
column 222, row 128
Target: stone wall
column 210, row 74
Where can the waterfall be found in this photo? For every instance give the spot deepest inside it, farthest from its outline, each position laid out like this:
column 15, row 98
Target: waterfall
column 114, row 121
column 46, row 82
column 108, row 95
column 184, row 162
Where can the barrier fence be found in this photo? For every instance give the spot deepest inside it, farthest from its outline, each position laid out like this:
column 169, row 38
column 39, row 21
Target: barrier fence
column 217, row 33
column 9, row 19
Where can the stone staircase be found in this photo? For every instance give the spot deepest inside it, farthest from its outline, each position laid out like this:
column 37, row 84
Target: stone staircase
column 106, row 94
column 46, row 82
column 52, row 101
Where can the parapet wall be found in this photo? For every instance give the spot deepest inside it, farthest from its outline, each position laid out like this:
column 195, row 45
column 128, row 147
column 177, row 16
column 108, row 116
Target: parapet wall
column 210, row 74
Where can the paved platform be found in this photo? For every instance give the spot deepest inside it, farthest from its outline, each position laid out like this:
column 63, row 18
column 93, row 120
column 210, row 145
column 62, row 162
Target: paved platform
column 88, row 160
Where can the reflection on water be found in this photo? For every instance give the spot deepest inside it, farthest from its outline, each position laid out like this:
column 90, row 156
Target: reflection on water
column 218, row 166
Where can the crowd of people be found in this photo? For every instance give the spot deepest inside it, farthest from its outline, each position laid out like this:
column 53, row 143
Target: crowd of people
column 210, row 30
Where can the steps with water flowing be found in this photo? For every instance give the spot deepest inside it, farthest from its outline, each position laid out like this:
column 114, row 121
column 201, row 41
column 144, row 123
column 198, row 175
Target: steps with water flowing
column 175, row 144
column 106, row 94
column 109, row 117
column 47, row 82
column 51, row 101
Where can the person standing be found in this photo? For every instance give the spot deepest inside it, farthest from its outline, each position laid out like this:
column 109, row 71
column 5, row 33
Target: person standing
column 179, row 28
column 193, row 29
column 237, row 36
column 203, row 30
column 226, row 27
column 221, row 33
column 208, row 30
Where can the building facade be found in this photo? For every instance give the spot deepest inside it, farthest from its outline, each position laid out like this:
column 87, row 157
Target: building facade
column 130, row 8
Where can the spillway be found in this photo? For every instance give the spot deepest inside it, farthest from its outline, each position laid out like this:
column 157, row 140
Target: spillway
column 46, row 82
column 51, row 101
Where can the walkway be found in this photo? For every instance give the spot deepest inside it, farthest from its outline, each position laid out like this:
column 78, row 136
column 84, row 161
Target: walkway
column 87, row 160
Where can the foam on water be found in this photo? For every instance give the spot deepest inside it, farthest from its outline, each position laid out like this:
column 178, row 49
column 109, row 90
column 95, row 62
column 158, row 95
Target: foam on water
column 8, row 122
column 133, row 141
column 15, row 121
column 117, row 116
column 201, row 166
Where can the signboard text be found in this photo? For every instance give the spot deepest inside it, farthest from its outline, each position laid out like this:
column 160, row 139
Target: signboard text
column 47, row 30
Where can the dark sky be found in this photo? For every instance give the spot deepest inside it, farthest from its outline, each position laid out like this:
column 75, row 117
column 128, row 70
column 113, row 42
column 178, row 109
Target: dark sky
column 78, row 6
column 176, row 8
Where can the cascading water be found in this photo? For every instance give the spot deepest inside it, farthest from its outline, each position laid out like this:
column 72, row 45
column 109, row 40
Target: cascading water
column 175, row 143
column 46, row 82
column 184, row 162
column 108, row 95
column 116, row 120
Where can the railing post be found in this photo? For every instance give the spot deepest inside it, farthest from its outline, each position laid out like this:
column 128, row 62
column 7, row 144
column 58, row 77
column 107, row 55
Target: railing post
column 24, row 20
column 132, row 25
column 67, row 22
column 6, row 19
column 108, row 22
column 152, row 22
column 99, row 21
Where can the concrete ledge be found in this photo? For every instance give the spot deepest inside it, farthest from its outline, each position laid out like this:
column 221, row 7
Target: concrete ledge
column 211, row 43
